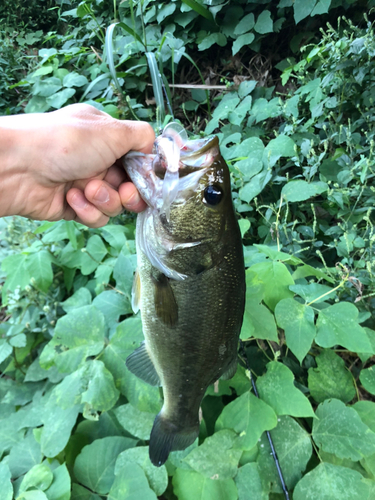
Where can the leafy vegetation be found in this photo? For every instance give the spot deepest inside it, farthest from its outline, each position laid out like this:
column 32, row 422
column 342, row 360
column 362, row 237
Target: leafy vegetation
column 291, row 99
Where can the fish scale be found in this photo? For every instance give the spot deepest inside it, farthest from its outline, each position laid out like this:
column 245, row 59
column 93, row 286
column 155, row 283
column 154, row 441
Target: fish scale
column 191, row 288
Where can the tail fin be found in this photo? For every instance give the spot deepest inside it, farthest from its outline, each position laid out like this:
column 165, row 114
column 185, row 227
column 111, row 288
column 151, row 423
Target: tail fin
column 166, row 437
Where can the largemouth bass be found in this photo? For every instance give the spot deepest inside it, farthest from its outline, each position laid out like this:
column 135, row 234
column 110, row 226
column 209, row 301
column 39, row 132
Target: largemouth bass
column 190, row 285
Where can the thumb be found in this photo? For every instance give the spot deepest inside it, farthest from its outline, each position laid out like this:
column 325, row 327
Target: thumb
column 133, row 135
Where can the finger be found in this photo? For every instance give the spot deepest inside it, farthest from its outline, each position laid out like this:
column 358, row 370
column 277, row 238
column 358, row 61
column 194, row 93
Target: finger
column 103, row 197
column 133, row 135
column 116, row 175
column 130, row 197
column 86, row 213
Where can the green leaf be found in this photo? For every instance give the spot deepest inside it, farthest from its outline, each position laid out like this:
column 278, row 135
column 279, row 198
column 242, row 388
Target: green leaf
column 5, row 481
column 328, row 481
column 95, row 252
column 32, row 495
column 81, row 493
column 321, row 7
column 156, row 476
column 303, row 9
column 276, row 279
column 258, row 322
column 47, row 87
column 101, row 393
column 216, row 456
column 114, row 235
column 338, row 325
column 277, row 389
column 340, row 430
column 330, row 379
column 293, row 448
column 199, row 9
column 190, row 485
column 131, row 484
column 14, row 266
column 249, row 417
column 40, row 476
column 59, row 99
column 248, row 482
column 58, row 425
column 242, row 40
column 165, row 11
column 37, row 104
column 264, row 23
column 61, row 484
column 82, row 297
column 367, row 378
column 297, row 320
column 246, row 87
column 246, row 24
column 211, row 39
column 301, row 190
column 113, row 305
column 95, row 465
column 24, row 455
column 5, row 350
column 366, row 410
column 312, row 292
column 74, row 80
column 138, row 423
column 123, row 273
column 262, row 110
column 282, row 146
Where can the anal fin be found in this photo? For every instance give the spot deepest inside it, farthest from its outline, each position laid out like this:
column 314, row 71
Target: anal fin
column 141, row 365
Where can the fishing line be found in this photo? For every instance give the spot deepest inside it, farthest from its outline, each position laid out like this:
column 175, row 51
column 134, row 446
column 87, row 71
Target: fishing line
column 242, row 352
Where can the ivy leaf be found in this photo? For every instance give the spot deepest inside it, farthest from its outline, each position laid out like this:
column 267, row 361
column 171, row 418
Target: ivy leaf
column 95, row 465
column 301, row 190
column 338, row 325
column 294, row 450
column 248, row 480
column 297, row 320
column 211, row 39
column 330, row 379
column 246, row 24
column 367, row 378
column 276, row 279
column 216, row 456
column 340, row 430
column 329, row 481
column 264, row 23
column 131, row 483
column 277, row 389
column 190, row 485
column 138, row 423
column 321, row 7
column 156, row 476
column 249, row 417
column 302, row 9
column 242, row 40
column 5, row 481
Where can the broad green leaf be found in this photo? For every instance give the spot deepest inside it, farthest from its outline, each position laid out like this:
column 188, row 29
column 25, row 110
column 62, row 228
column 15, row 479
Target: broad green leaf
column 328, row 481
column 277, row 389
column 138, row 423
column 61, row 484
column 95, row 465
column 366, row 410
column 294, row 450
column 9, row 433
column 251, row 148
column 246, row 24
column 131, row 484
column 127, row 338
column 40, row 268
column 59, row 99
column 275, row 254
column 38, row 104
column 297, row 320
column 24, row 455
column 282, row 146
column 330, row 379
column 113, row 305
column 313, row 291
column 81, row 493
column 262, row 110
column 82, row 297
column 190, row 485
column 276, row 279
column 115, row 235
column 367, row 378
column 211, row 39
column 156, row 476
column 101, row 393
column 301, row 190
column 74, row 79
column 32, row 495
column 94, row 253
column 216, row 456
column 40, row 476
column 302, row 9
column 199, row 8
column 5, row 481
column 340, row 430
column 242, row 40
column 249, row 417
column 58, row 425
column 165, row 11
column 338, row 325
column 249, row 484
column 46, row 87
column 264, row 23
column 258, row 322
column 246, row 87
column 5, row 350
column 305, row 270
column 106, row 425
column 14, row 266
column 321, row 7
column 365, row 356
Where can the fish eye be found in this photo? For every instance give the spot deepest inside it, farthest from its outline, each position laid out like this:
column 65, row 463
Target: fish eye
column 213, row 195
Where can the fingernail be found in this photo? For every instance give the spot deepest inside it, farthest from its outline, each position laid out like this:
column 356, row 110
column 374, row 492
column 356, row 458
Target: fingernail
column 102, row 195
column 78, row 200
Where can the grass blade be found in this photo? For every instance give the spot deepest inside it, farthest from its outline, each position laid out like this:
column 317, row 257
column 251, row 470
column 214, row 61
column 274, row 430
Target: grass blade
column 158, row 91
column 199, row 9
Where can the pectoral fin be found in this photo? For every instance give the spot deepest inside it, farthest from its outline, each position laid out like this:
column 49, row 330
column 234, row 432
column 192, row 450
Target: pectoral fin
column 140, row 363
column 136, row 292
column 165, row 303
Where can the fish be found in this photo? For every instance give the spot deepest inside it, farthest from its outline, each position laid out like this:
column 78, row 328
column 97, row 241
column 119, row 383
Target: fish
column 189, row 284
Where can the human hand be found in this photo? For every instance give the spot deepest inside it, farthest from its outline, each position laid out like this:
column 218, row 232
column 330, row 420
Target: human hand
column 64, row 165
